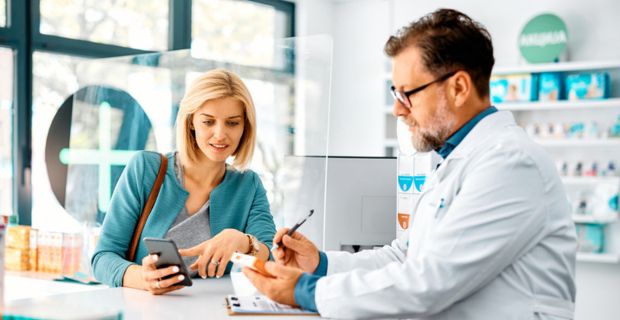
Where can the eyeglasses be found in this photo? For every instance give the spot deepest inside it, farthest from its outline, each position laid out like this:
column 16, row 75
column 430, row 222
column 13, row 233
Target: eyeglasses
column 403, row 96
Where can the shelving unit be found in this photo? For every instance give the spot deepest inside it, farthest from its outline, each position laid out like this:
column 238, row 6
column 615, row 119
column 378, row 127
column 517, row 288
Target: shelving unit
column 559, row 67
column 589, row 181
column 609, row 142
column 582, row 218
column 598, row 257
column 583, row 150
column 561, row 105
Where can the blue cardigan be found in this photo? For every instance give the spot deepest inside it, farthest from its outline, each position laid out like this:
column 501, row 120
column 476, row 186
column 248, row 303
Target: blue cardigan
column 238, row 202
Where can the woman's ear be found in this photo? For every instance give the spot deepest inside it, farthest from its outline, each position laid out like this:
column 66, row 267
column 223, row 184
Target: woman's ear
column 190, row 123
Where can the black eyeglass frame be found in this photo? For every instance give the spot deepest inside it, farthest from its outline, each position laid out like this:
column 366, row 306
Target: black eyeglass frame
column 403, row 96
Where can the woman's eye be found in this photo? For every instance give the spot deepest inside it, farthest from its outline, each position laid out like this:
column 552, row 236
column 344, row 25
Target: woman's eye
column 233, row 123
column 209, row 122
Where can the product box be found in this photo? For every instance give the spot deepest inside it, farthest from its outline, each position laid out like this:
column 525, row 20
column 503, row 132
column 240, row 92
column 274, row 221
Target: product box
column 18, row 237
column 514, row 87
column 405, row 212
column 590, row 237
column 550, row 86
column 17, row 259
column 582, row 86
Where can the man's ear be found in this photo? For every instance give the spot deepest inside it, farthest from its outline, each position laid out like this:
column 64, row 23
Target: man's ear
column 461, row 87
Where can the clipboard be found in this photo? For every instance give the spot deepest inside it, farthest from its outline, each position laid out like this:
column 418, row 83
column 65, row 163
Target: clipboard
column 260, row 305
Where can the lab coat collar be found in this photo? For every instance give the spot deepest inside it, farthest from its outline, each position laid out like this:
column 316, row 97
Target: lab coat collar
column 488, row 128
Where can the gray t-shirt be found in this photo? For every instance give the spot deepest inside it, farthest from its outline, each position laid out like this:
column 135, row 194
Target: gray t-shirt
column 188, row 231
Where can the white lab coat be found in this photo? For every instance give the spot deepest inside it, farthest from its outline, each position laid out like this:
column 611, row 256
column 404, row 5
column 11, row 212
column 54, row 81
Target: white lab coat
column 502, row 245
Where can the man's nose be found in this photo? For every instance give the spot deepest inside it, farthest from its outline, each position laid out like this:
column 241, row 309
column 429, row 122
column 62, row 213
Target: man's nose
column 399, row 110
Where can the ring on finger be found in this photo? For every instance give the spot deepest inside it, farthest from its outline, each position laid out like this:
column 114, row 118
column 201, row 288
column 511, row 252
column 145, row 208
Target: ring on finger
column 214, row 262
column 157, row 284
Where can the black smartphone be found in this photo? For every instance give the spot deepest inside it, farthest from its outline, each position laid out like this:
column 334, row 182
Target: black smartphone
column 169, row 255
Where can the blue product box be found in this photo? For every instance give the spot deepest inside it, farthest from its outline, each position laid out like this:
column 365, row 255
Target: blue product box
column 514, row 87
column 590, row 237
column 404, row 183
column 595, row 85
column 418, row 182
column 550, row 86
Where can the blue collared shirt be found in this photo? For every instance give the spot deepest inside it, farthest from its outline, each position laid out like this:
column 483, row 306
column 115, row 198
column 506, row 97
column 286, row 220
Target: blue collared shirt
column 306, row 285
column 460, row 134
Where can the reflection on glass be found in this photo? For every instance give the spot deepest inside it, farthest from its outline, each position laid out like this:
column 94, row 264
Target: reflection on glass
column 6, row 128
column 129, row 23
column 237, row 31
column 54, row 80
column 2, row 13
column 292, row 115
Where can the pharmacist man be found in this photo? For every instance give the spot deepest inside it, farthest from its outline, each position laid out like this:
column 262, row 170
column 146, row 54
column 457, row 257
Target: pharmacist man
column 492, row 236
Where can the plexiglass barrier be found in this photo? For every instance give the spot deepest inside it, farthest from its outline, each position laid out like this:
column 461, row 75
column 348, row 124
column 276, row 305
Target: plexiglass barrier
column 130, row 103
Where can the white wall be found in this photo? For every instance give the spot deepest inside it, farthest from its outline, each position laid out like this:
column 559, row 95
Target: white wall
column 361, row 27
column 358, row 69
column 592, row 25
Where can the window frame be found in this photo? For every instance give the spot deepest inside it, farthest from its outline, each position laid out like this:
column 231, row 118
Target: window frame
column 22, row 35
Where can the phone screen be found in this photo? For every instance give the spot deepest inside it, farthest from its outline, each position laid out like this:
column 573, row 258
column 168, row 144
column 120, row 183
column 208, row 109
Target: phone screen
column 168, row 254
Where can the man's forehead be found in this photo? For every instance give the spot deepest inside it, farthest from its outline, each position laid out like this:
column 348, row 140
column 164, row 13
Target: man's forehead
column 407, row 67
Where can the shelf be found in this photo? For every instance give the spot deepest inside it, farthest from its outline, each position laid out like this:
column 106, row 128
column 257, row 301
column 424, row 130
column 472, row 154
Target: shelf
column 579, row 142
column 589, row 181
column 598, row 257
column 560, row 105
column 559, row 67
column 580, row 218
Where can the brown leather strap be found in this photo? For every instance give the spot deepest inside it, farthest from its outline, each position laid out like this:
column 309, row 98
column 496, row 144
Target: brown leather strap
column 146, row 211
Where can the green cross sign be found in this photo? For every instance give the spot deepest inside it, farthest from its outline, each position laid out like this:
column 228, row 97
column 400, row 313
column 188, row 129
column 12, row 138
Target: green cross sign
column 105, row 157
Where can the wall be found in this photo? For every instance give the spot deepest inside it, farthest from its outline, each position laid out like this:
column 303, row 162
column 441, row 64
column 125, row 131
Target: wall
column 361, row 27
column 358, row 73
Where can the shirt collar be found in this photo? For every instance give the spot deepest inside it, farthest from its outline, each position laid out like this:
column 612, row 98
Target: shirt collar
column 456, row 138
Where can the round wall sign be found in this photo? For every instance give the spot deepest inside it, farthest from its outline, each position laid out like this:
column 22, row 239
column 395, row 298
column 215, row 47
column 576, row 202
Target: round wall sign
column 543, row 39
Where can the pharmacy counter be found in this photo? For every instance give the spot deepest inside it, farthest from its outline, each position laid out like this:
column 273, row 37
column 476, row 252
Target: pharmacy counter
column 205, row 299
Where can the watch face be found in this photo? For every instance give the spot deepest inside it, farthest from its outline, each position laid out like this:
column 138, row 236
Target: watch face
column 255, row 244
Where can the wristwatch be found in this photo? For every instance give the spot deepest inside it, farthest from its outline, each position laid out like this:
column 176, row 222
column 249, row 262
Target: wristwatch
column 254, row 245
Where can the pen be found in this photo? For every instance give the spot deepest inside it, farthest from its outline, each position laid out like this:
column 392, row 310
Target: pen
column 295, row 227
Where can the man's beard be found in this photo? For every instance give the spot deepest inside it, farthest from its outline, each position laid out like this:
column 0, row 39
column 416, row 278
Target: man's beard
column 437, row 133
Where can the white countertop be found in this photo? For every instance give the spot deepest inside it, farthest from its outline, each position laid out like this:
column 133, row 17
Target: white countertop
column 205, row 299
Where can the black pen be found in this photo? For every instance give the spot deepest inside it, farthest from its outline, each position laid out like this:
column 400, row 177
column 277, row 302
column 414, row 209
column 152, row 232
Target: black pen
column 295, row 227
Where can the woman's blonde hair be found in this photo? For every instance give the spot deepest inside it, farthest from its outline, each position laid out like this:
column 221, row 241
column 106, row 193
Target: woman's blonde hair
column 215, row 84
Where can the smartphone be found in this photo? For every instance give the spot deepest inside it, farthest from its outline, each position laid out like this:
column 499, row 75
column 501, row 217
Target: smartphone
column 251, row 262
column 169, row 255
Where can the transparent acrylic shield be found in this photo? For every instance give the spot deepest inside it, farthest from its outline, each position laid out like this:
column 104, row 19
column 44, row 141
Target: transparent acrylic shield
column 130, row 103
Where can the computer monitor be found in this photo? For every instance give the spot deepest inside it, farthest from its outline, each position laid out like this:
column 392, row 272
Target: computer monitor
column 359, row 206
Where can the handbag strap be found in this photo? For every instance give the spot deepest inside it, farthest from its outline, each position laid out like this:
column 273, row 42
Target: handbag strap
column 146, row 211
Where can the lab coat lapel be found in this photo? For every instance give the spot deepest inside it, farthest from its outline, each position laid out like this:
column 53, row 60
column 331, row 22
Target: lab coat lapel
column 475, row 139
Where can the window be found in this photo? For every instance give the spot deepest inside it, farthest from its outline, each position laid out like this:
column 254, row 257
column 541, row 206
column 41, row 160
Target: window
column 237, row 31
column 6, row 129
column 54, row 79
column 130, row 23
column 2, row 13
column 61, row 32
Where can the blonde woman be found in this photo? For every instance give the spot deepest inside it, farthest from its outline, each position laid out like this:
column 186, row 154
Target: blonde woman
column 205, row 206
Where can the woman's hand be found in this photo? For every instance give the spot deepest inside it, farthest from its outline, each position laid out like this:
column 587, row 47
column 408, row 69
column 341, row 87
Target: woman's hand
column 152, row 278
column 215, row 253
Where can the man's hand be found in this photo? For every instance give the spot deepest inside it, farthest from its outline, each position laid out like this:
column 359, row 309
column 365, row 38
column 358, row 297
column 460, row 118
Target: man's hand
column 297, row 251
column 281, row 288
